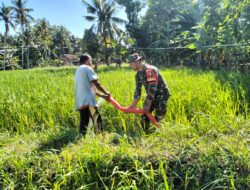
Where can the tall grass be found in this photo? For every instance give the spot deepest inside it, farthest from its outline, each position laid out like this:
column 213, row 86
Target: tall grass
column 36, row 99
column 203, row 142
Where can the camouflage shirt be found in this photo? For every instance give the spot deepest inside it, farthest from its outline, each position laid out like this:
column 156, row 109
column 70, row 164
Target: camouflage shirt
column 155, row 86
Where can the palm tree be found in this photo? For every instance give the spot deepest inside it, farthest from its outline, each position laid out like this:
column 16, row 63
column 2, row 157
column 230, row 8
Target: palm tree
column 28, row 38
column 75, row 44
column 6, row 15
column 61, row 40
column 22, row 17
column 102, row 13
column 43, row 33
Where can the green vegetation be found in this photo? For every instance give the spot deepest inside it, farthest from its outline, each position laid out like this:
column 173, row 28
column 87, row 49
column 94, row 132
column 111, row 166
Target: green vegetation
column 211, row 34
column 203, row 143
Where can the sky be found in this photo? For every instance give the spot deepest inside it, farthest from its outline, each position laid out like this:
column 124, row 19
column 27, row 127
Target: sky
column 68, row 13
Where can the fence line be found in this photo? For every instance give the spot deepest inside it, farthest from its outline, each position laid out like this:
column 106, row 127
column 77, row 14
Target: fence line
column 19, row 48
column 186, row 47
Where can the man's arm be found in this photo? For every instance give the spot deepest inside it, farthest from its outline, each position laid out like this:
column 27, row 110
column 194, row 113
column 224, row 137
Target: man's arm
column 134, row 103
column 106, row 97
column 150, row 97
column 99, row 87
column 137, row 93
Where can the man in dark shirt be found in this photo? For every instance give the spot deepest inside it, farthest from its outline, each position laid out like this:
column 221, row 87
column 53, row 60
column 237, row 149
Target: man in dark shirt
column 155, row 86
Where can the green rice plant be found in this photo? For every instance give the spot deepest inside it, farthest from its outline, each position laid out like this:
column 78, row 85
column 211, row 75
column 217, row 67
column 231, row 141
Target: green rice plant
column 203, row 142
column 164, row 176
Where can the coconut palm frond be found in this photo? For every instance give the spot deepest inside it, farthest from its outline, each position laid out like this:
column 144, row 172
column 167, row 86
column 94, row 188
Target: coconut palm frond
column 90, row 8
column 118, row 20
column 90, row 18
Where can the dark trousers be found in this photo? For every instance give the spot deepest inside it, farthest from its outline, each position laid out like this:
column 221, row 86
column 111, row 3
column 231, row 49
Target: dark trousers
column 95, row 116
column 160, row 108
column 145, row 122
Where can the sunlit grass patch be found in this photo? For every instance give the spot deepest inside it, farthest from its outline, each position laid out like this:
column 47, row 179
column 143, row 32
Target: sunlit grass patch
column 203, row 142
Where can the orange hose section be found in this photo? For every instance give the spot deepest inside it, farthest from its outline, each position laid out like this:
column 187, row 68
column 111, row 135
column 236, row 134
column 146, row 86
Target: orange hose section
column 133, row 110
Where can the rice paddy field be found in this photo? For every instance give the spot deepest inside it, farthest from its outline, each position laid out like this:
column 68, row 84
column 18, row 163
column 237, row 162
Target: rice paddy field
column 203, row 142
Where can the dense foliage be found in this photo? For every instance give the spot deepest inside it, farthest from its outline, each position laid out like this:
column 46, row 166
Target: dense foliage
column 210, row 33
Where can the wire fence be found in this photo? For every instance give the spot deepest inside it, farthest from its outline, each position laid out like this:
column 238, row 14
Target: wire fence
column 19, row 48
column 186, row 47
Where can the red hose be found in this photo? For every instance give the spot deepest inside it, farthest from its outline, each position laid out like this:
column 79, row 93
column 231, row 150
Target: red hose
column 133, row 110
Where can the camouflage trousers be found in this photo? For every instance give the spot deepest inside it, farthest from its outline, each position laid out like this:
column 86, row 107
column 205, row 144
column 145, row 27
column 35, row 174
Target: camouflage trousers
column 160, row 108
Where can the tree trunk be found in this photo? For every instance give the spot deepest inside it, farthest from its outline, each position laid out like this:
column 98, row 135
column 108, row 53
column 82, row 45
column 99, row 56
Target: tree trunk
column 27, row 57
column 4, row 59
column 106, row 48
column 96, row 64
column 198, row 60
column 168, row 42
column 22, row 45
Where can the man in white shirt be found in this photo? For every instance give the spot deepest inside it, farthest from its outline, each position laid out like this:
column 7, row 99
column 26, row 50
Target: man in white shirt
column 86, row 86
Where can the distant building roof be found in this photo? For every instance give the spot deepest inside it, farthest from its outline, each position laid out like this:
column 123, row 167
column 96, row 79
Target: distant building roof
column 69, row 58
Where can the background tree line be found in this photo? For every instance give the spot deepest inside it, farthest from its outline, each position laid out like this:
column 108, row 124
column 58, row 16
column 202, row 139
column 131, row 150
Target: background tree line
column 206, row 33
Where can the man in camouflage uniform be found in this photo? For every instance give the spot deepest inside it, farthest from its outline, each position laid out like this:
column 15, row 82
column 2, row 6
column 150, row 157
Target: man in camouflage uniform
column 155, row 86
